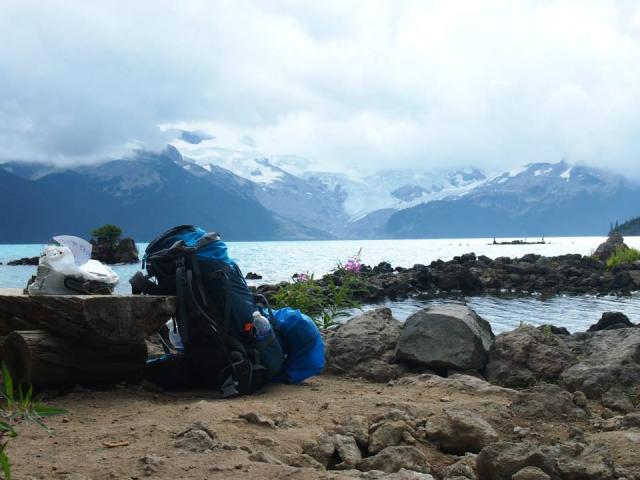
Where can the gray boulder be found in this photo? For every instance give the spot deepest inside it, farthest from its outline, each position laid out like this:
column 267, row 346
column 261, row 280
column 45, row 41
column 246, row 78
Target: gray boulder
column 393, row 459
column 348, row 452
column 197, row 438
column 527, row 355
column 563, row 461
column 609, row 359
column 358, row 427
column 581, row 461
column 547, row 401
column 446, row 337
column 388, row 434
column 460, row 431
column 609, row 247
column 502, row 460
column 611, row 321
column 364, row 347
column 321, row 449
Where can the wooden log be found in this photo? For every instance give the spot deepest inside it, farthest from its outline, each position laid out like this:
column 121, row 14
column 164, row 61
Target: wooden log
column 96, row 318
column 44, row 360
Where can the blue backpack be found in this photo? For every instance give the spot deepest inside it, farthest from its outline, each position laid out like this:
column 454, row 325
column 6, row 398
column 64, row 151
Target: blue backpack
column 215, row 310
column 302, row 343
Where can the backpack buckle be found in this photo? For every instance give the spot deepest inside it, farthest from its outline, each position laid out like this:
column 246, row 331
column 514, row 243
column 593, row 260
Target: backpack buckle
column 229, row 388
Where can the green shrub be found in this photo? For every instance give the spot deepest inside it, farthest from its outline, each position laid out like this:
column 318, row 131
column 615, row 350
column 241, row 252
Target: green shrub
column 22, row 407
column 108, row 232
column 324, row 304
column 622, row 256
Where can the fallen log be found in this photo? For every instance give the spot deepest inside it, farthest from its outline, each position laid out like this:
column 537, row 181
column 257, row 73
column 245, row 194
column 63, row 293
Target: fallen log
column 97, row 318
column 44, row 360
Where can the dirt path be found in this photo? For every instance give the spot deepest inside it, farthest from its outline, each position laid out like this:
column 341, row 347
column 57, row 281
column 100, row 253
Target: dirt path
column 146, row 425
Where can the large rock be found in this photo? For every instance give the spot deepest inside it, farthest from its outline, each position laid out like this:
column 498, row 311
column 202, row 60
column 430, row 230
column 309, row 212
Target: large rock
column 528, row 355
column 611, row 321
column 393, row 459
column 563, row 461
column 609, row 247
column 388, row 434
column 24, row 261
column 358, row 427
column 500, row 461
column 364, row 347
column 446, row 337
column 123, row 250
column 624, row 446
column 321, row 449
column 457, row 381
column 546, row 401
column 609, row 359
column 348, row 452
column 460, row 431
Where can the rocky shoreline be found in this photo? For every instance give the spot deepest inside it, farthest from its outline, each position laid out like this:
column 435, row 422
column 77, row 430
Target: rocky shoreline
column 439, row 397
column 468, row 274
column 591, row 377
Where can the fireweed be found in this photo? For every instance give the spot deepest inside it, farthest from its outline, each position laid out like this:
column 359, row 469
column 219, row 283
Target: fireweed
column 326, row 300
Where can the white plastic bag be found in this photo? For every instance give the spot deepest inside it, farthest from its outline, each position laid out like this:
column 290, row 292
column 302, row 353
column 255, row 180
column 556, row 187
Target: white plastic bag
column 58, row 274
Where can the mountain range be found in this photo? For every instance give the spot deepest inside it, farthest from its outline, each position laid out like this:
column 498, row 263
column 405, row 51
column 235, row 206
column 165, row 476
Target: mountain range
column 247, row 196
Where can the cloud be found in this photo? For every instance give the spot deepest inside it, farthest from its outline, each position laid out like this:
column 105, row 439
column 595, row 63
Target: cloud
column 346, row 84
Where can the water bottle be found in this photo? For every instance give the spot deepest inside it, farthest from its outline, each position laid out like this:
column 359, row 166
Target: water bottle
column 174, row 336
column 262, row 326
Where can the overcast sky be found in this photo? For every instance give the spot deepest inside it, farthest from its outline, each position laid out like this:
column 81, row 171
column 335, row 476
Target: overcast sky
column 363, row 84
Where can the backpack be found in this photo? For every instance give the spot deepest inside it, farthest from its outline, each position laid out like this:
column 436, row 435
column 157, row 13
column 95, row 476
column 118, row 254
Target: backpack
column 302, row 343
column 214, row 312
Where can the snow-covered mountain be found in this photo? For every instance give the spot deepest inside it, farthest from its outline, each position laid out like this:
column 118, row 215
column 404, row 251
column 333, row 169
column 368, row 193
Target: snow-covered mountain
column 398, row 188
column 248, row 196
column 327, row 200
column 537, row 199
column 145, row 193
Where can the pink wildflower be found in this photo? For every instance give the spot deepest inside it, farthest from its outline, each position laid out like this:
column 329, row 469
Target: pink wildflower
column 301, row 277
column 354, row 265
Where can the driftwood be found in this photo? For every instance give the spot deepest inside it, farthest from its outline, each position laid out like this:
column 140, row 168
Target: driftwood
column 95, row 318
column 42, row 359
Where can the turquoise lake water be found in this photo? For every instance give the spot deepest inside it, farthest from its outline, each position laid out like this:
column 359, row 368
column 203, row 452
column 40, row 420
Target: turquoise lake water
column 277, row 261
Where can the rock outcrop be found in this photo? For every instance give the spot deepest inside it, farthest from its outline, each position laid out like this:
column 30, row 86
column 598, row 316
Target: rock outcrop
column 548, row 401
column 445, row 337
column 392, row 459
column 564, row 461
column 460, row 431
column 24, row 261
column 364, row 347
column 609, row 361
column 111, row 252
column 611, row 321
column 614, row 242
column 528, row 355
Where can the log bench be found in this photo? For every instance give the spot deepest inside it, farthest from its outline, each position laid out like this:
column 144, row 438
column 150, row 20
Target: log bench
column 59, row 340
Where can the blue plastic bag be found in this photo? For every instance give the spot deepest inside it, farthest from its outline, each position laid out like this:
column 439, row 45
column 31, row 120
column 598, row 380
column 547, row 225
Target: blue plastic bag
column 302, row 344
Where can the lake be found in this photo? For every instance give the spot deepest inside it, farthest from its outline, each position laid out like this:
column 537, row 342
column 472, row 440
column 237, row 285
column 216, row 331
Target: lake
column 277, row 261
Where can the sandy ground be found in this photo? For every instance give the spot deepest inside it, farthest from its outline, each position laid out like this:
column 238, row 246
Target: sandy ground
column 145, row 423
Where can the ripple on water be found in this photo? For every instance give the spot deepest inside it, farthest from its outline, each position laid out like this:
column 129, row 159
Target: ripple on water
column 576, row 313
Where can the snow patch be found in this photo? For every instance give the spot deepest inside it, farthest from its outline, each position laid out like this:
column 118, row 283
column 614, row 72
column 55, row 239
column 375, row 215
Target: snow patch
column 566, row 174
column 545, row 171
